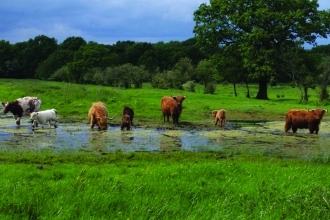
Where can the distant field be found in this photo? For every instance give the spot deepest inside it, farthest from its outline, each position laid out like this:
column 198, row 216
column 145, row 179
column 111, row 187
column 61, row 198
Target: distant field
column 73, row 101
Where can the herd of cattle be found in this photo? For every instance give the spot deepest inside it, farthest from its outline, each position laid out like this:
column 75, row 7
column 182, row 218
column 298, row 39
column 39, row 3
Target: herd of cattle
column 170, row 106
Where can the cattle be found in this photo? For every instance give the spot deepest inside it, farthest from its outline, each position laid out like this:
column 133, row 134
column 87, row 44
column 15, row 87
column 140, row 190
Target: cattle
column 310, row 119
column 172, row 106
column 220, row 116
column 125, row 122
column 43, row 117
column 98, row 115
column 22, row 107
column 130, row 112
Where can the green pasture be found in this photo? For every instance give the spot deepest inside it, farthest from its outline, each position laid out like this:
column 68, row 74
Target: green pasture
column 161, row 185
column 73, row 101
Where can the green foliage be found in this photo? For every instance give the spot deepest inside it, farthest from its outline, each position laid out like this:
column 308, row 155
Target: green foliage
column 189, row 86
column 209, row 88
column 258, row 29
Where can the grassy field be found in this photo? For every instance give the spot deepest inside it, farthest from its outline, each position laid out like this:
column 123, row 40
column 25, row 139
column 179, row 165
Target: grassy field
column 73, row 101
column 171, row 185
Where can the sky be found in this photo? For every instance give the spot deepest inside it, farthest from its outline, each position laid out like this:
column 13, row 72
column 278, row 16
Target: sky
column 103, row 21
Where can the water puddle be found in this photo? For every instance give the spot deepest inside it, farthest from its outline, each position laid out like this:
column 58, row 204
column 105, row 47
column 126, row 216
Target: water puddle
column 267, row 138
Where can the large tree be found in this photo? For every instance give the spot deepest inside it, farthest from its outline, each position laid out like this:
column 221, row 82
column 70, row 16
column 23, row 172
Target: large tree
column 261, row 28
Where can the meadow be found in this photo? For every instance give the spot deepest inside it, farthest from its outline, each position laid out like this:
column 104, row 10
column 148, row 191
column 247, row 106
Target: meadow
column 161, row 185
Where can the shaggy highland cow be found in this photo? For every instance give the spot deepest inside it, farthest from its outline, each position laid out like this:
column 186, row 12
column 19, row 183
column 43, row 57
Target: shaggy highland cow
column 172, row 106
column 220, row 116
column 130, row 112
column 299, row 119
column 98, row 115
column 125, row 122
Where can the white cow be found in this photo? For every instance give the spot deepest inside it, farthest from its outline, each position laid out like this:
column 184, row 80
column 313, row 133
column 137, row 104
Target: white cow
column 42, row 117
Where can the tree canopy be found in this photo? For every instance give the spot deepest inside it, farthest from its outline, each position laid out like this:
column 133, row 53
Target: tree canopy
column 261, row 29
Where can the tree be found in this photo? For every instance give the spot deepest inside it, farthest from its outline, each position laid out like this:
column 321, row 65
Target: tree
column 261, row 28
column 302, row 67
column 72, row 43
column 87, row 57
column 37, row 50
column 6, row 58
column 206, row 72
column 324, row 78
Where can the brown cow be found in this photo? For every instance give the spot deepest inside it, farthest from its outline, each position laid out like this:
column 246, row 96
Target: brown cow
column 310, row 119
column 125, row 122
column 172, row 106
column 220, row 116
column 130, row 112
column 98, row 114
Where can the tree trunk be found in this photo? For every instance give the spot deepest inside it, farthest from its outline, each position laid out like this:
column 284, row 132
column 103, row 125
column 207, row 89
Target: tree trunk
column 262, row 93
column 305, row 93
column 248, row 90
column 235, row 92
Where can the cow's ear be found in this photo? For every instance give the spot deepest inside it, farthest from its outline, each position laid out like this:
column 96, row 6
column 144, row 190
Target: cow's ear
column 4, row 104
column 174, row 97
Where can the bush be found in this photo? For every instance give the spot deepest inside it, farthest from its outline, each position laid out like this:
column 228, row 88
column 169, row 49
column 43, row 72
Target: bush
column 209, row 88
column 189, row 86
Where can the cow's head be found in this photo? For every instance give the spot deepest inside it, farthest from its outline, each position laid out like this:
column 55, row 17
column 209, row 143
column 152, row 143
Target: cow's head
column 102, row 122
column 214, row 113
column 179, row 99
column 318, row 113
column 33, row 116
column 4, row 104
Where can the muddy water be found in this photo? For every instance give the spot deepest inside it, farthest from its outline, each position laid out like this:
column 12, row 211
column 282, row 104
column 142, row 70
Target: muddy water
column 265, row 138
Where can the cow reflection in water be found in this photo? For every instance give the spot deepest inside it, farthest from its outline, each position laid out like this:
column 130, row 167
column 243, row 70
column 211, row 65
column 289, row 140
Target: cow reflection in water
column 126, row 137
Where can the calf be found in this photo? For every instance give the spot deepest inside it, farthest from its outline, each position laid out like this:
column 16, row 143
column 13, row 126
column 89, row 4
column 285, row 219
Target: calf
column 130, row 112
column 42, row 117
column 172, row 106
column 98, row 115
column 22, row 107
column 310, row 119
column 220, row 116
column 125, row 122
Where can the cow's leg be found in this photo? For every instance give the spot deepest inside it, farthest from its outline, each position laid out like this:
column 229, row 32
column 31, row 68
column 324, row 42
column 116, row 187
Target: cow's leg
column 287, row 127
column 93, row 122
column 294, row 129
column 55, row 123
column 18, row 121
column 216, row 121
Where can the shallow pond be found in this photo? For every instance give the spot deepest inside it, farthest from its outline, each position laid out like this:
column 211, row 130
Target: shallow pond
column 267, row 138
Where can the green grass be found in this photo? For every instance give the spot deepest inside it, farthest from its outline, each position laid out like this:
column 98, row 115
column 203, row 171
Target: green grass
column 181, row 185
column 73, row 101
column 171, row 185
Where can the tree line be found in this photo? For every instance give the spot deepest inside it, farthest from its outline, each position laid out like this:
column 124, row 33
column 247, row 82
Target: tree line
column 235, row 42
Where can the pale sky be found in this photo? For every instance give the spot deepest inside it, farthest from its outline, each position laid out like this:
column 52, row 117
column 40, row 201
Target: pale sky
column 103, row 21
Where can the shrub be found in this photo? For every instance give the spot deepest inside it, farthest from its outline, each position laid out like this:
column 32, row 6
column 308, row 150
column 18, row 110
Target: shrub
column 209, row 88
column 189, row 86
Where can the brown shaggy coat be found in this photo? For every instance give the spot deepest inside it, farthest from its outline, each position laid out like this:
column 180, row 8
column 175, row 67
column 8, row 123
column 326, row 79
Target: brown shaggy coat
column 172, row 106
column 220, row 116
column 130, row 112
column 310, row 119
column 98, row 115
column 125, row 122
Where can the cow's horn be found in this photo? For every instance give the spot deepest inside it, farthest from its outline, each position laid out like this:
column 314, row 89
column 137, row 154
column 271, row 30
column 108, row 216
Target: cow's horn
column 112, row 117
column 325, row 110
column 311, row 110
